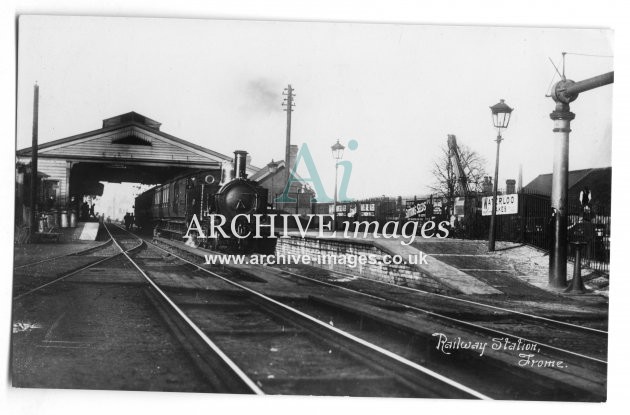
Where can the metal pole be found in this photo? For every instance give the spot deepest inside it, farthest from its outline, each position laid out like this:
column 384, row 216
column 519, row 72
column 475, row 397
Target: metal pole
column 335, row 202
column 562, row 117
column 287, row 150
column 273, row 192
column 563, row 93
column 577, row 285
column 491, row 237
column 297, row 202
column 33, row 193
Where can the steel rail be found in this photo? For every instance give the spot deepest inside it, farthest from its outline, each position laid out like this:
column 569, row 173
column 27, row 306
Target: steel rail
column 83, row 251
column 463, row 300
column 17, row 297
column 345, row 334
column 452, row 319
column 432, row 313
column 237, row 370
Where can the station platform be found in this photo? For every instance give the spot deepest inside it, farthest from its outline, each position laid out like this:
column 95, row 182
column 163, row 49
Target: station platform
column 458, row 267
column 84, row 231
column 70, row 241
column 467, row 267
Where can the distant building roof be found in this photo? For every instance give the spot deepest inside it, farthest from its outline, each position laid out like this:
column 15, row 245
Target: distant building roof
column 598, row 180
column 131, row 117
column 264, row 172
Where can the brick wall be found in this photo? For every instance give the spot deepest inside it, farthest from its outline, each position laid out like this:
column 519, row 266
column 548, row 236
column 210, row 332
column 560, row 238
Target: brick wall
column 404, row 274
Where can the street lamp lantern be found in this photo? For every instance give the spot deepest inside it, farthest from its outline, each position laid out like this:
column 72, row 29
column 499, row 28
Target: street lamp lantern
column 337, row 150
column 501, row 113
column 273, row 169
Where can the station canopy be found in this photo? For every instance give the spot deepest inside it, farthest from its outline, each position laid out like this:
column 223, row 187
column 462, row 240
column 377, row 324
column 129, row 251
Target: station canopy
column 128, row 148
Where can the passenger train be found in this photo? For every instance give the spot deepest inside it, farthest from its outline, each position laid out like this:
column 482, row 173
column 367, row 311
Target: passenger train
column 168, row 209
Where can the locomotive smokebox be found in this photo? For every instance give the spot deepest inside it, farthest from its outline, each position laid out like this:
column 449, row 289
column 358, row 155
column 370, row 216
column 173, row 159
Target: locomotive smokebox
column 240, row 164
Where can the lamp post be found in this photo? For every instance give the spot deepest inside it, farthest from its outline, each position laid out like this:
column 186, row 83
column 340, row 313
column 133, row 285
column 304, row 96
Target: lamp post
column 501, row 113
column 273, row 169
column 337, row 151
column 298, row 192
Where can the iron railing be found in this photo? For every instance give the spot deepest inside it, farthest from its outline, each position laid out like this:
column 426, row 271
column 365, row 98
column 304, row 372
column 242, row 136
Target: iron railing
column 532, row 225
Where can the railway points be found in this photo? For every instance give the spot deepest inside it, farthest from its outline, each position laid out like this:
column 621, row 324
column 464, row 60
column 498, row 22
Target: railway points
column 403, row 316
column 204, row 307
column 370, row 252
column 97, row 329
column 412, row 379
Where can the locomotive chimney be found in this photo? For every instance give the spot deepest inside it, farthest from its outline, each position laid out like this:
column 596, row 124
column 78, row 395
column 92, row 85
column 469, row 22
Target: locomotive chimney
column 240, row 164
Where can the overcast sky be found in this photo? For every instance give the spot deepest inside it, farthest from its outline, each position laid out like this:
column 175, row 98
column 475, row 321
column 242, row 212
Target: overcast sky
column 396, row 89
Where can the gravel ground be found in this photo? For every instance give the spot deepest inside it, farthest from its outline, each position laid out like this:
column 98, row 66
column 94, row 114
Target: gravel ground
column 97, row 336
column 521, row 262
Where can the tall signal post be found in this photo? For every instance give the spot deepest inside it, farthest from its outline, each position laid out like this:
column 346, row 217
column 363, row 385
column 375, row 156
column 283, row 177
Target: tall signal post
column 288, row 104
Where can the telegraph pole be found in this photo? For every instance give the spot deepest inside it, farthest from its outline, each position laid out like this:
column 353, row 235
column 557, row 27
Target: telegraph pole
column 288, row 103
column 563, row 93
column 33, row 195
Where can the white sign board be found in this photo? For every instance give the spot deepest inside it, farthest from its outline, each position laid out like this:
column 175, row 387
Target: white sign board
column 506, row 205
column 416, row 210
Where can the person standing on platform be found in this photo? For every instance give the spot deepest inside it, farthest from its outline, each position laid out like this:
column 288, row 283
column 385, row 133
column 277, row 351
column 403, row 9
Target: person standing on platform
column 85, row 211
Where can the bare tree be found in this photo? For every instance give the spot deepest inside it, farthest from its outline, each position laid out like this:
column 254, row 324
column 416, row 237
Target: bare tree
column 446, row 183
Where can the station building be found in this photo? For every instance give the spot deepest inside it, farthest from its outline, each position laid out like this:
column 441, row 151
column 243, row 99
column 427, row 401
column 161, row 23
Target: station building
column 127, row 148
column 274, row 180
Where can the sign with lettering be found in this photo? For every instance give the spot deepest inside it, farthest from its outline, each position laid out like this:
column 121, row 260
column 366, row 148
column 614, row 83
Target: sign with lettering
column 368, row 209
column 459, row 208
column 506, row 205
column 416, row 209
column 437, row 207
column 341, row 209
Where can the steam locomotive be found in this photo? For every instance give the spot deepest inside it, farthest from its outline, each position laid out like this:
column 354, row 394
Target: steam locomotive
column 169, row 209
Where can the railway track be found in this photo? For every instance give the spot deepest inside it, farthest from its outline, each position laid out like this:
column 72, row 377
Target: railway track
column 583, row 348
column 248, row 340
column 68, row 254
column 404, row 291
column 105, row 315
column 552, row 335
column 33, row 276
column 279, row 349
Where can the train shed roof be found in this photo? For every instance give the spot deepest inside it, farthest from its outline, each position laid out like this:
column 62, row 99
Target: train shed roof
column 130, row 137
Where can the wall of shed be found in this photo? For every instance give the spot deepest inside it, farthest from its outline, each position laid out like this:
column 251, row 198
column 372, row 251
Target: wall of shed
column 56, row 169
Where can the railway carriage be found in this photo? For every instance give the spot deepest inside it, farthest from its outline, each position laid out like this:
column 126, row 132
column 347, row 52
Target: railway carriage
column 168, row 209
